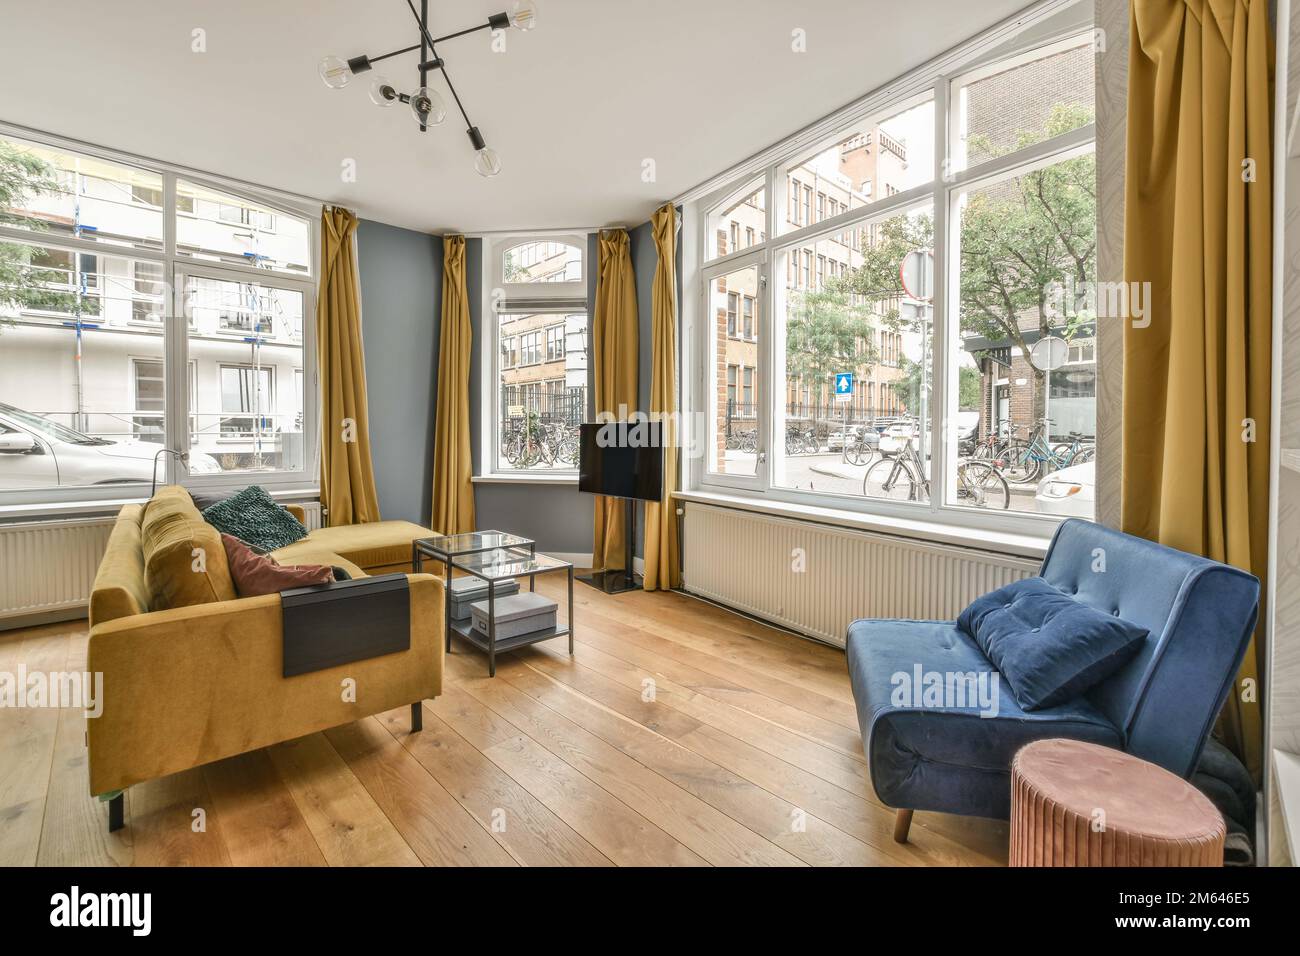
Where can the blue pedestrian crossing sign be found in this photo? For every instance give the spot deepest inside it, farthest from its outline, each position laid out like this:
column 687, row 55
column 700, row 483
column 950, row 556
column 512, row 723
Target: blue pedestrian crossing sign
column 843, row 386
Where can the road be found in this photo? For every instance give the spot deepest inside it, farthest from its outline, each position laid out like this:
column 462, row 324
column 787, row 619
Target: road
column 829, row 473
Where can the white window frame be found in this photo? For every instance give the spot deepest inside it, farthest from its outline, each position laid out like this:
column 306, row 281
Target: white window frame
column 177, row 411
column 939, row 80
column 533, row 298
column 182, row 328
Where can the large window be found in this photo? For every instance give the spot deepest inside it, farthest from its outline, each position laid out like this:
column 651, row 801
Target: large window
column 131, row 322
column 539, row 356
column 247, row 407
column 910, row 330
column 219, row 227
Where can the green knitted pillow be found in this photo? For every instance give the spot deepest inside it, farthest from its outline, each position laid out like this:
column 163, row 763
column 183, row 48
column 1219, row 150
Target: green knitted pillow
column 253, row 516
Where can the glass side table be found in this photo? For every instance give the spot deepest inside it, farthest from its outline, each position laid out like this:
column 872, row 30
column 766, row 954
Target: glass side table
column 493, row 556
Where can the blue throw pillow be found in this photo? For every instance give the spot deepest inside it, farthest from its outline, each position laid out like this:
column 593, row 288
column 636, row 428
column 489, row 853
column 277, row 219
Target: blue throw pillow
column 253, row 516
column 1049, row 647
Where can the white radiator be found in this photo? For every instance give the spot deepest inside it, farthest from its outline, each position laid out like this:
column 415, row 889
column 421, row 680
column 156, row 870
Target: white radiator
column 311, row 509
column 48, row 567
column 749, row 562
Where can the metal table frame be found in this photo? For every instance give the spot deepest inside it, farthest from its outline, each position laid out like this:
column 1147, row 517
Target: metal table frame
column 424, row 547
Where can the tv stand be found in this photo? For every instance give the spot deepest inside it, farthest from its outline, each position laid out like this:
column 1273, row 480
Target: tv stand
column 618, row 581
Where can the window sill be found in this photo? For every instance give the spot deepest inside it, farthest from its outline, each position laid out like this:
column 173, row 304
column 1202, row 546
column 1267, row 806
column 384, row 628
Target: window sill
column 1003, row 543
column 525, row 479
column 111, row 506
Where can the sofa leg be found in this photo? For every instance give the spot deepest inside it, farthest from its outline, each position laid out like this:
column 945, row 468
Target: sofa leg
column 902, row 823
column 116, row 814
column 417, row 716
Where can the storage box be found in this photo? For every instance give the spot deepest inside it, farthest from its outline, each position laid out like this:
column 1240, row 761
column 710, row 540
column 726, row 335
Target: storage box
column 517, row 614
column 465, row 591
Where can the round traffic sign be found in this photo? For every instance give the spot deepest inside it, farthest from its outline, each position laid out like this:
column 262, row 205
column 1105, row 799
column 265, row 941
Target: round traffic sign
column 1049, row 353
column 916, row 272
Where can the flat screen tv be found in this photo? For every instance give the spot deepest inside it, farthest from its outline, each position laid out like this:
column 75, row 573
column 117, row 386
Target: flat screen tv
column 621, row 459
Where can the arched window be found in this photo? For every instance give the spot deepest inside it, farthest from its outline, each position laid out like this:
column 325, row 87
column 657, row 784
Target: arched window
column 536, row 336
column 541, row 260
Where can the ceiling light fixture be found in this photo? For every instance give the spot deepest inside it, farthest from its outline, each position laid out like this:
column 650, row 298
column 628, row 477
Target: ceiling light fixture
column 427, row 105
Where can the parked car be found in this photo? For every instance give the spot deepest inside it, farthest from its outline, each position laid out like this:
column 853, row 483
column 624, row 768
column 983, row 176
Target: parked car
column 881, row 425
column 967, row 424
column 896, row 437
column 1070, row 491
column 38, row 453
column 837, row 436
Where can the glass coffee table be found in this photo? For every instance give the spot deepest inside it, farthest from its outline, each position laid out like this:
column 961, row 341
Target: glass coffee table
column 494, row 556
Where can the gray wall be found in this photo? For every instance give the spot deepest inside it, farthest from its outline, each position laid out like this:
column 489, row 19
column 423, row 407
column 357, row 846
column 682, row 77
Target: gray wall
column 401, row 308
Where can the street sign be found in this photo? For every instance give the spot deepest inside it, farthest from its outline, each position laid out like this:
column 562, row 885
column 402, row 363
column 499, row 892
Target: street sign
column 916, row 272
column 1050, row 353
column 843, row 386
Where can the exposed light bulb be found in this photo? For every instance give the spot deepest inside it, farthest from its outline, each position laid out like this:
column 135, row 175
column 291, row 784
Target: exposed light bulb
column 428, row 107
column 523, row 14
column 486, row 162
column 382, row 92
column 335, row 72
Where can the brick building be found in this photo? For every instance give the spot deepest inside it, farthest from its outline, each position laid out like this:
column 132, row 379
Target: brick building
column 851, row 174
column 543, row 355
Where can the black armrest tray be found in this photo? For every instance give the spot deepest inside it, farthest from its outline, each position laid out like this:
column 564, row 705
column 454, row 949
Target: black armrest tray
column 331, row 624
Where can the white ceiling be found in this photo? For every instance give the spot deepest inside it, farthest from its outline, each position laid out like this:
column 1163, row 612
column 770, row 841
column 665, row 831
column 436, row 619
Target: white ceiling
column 573, row 107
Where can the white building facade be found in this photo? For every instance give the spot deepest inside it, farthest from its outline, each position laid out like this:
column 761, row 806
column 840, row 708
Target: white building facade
column 231, row 302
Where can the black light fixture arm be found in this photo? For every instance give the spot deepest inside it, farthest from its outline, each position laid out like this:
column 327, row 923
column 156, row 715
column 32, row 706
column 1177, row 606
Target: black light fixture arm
column 432, row 43
column 359, row 64
column 426, row 104
column 498, row 21
column 425, row 52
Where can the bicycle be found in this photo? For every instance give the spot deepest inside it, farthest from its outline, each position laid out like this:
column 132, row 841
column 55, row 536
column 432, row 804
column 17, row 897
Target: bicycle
column 1076, row 451
column 530, row 442
column 1038, row 458
column 858, row 451
column 800, row 440
column 980, row 484
column 562, row 439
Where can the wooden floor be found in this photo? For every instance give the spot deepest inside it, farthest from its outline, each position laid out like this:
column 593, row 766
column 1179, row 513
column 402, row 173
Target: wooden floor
column 678, row 734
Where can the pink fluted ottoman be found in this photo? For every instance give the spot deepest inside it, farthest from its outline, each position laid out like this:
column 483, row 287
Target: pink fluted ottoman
column 1079, row 804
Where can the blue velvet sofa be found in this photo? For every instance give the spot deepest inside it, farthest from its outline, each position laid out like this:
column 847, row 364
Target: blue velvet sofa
column 1159, row 706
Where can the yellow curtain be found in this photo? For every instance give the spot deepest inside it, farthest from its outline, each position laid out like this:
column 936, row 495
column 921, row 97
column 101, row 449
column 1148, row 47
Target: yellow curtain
column 347, row 478
column 662, row 557
column 614, row 347
column 453, row 493
column 1197, row 222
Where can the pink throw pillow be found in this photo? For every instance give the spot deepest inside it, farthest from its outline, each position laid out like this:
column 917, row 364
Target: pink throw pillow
column 256, row 574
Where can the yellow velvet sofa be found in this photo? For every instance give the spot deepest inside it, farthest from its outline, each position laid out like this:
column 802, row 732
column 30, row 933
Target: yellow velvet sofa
column 194, row 683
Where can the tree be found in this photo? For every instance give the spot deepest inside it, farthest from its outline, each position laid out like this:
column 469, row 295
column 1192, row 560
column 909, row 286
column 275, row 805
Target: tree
column 909, row 386
column 968, row 388
column 882, row 248
column 1025, row 240
column 826, row 331
column 1022, row 241
column 24, row 282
